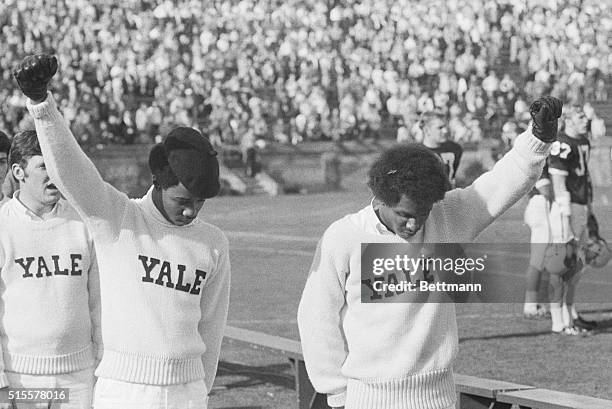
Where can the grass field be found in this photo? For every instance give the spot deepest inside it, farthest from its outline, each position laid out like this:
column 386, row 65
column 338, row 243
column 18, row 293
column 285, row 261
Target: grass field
column 272, row 243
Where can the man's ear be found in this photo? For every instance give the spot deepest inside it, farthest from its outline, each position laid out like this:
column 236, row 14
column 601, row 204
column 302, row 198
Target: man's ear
column 18, row 172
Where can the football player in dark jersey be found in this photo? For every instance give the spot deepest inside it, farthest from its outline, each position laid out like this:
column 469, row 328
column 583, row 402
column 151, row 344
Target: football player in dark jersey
column 435, row 136
column 569, row 172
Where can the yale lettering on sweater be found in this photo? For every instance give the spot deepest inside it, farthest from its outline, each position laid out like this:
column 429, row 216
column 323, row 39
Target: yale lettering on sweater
column 395, row 287
column 154, row 267
column 40, row 267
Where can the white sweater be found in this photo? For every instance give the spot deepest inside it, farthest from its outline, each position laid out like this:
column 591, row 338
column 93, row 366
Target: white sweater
column 164, row 288
column 398, row 355
column 49, row 292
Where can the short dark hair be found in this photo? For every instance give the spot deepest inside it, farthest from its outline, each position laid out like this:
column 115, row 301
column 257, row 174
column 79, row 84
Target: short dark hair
column 409, row 169
column 24, row 146
column 5, row 143
column 163, row 176
column 427, row 116
column 571, row 111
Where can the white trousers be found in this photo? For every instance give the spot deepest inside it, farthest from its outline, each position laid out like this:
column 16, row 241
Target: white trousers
column 113, row 394
column 536, row 217
column 577, row 220
column 79, row 383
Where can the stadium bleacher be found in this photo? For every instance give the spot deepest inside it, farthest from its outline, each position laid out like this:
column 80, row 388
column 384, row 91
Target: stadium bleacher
column 474, row 392
column 293, row 70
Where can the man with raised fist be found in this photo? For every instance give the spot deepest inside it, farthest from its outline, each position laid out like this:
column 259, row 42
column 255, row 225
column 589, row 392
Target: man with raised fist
column 164, row 273
column 401, row 355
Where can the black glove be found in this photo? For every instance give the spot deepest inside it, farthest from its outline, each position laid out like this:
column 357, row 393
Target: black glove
column 545, row 113
column 33, row 75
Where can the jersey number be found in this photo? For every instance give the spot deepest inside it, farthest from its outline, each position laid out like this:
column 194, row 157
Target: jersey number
column 560, row 149
column 583, row 156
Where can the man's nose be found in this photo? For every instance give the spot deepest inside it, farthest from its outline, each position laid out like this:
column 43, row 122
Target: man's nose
column 188, row 211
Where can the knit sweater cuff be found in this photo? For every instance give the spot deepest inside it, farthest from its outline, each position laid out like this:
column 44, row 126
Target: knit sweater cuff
column 431, row 390
column 49, row 365
column 149, row 369
column 44, row 112
column 527, row 143
column 337, row 400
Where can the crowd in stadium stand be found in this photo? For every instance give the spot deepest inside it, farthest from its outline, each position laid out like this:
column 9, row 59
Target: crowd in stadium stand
column 293, row 70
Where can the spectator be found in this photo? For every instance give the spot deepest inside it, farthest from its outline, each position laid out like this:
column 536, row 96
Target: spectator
column 256, row 64
column 491, row 84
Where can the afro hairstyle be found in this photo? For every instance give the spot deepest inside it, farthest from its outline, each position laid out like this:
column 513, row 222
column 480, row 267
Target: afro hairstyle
column 412, row 170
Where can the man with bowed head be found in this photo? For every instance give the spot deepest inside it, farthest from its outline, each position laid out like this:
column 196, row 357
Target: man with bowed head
column 401, row 355
column 164, row 273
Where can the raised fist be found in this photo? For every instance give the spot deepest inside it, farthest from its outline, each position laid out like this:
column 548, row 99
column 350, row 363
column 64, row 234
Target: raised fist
column 33, row 75
column 545, row 112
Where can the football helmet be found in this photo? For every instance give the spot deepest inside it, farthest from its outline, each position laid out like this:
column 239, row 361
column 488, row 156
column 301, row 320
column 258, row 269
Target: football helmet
column 562, row 258
column 595, row 249
column 596, row 252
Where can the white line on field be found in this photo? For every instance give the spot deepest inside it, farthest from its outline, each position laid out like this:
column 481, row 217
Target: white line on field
column 233, row 213
column 271, row 321
column 518, row 313
column 293, row 321
column 584, row 279
column 271, row 250
column 282, row 237
column 485, row 315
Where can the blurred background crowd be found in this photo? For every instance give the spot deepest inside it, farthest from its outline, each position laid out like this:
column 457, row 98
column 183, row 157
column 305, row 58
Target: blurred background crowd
column 294, row 70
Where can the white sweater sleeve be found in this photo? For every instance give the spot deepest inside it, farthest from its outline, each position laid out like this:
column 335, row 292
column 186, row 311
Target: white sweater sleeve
column 73, row 172
column 93, row 286
column 3, row 378
column 214, row 304
column 320, row 316
column 469, row 211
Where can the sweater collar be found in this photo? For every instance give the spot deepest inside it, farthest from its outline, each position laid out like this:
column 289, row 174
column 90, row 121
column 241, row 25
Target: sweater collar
column 154, row 212
column 22, row 210
column 373, row 222
column 368, row 220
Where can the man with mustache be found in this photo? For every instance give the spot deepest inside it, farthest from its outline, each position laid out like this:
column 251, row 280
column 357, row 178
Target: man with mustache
column 50, row 305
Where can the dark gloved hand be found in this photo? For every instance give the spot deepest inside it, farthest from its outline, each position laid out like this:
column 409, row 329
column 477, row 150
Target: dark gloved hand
column 33, row 75
column 545, row 113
